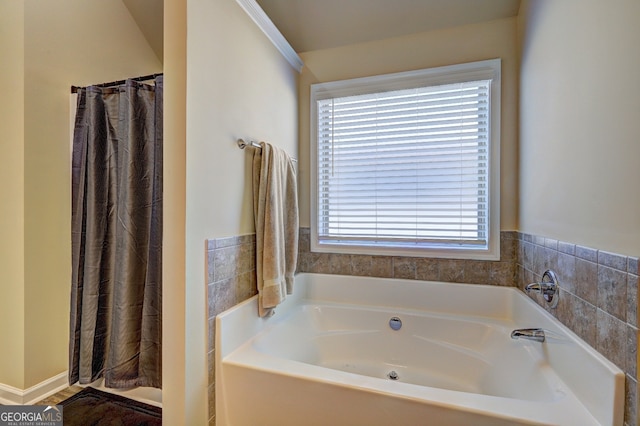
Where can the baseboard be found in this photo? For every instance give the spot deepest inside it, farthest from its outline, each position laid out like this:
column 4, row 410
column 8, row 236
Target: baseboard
column 14, row 396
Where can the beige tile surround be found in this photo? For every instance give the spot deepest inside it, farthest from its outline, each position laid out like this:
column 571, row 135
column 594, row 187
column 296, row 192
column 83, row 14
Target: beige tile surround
column 231, row 279
column 598, row 300
column 500, row 272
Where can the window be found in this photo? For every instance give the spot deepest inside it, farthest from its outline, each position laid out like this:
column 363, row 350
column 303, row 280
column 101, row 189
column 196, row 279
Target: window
column 408, row 163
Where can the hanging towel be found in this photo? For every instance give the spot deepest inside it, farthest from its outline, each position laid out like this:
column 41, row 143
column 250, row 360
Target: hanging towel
column 275, row 205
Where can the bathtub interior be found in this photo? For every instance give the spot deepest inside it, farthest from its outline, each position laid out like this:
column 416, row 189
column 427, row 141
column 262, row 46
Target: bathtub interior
column 469, row 354
column 455, row 338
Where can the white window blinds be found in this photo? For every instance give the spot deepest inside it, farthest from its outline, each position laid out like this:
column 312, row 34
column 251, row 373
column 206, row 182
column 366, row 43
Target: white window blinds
column 405, row 167
column 408, row 163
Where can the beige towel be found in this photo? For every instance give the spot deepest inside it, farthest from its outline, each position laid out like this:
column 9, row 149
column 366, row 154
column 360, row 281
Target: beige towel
column 275, row 205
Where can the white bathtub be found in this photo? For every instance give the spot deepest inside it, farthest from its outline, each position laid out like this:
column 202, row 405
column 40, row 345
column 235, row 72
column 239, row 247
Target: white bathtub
column 327, row 355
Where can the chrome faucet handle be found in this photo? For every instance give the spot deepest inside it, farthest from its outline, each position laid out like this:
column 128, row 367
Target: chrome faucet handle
column 548, row 287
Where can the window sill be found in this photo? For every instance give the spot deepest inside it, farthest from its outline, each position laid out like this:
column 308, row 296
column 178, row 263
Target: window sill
column 462, row 252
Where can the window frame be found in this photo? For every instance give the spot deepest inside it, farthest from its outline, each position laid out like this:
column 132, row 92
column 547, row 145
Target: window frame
column 480, row 70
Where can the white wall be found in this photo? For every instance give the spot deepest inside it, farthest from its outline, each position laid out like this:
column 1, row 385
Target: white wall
column 173, row 234
column 579, row 123
column 12, row 193
column 58, row 43
column 495, row 39
column 237, row 85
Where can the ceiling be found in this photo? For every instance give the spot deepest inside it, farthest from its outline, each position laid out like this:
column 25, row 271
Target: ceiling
column 148, row 15
column 319, row 24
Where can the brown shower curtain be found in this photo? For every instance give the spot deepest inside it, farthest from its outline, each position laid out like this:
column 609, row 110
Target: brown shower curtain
column 116, row 293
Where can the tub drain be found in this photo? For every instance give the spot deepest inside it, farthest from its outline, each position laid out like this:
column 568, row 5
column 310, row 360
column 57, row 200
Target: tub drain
column 393, row 375
column 395, row 323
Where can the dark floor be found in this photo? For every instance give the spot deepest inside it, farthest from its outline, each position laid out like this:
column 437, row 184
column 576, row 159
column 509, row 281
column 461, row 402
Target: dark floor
column 56, row 398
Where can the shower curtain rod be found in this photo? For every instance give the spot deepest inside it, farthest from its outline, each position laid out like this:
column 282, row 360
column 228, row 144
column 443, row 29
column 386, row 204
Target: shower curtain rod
column 74, row 89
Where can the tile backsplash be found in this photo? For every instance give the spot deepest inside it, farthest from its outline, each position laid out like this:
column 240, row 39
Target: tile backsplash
column 598, row 296
column 598, row 299
column 500, row 272
column 231, row 279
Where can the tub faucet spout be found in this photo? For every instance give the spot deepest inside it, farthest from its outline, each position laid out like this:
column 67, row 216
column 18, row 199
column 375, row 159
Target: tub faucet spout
column 535, row 334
